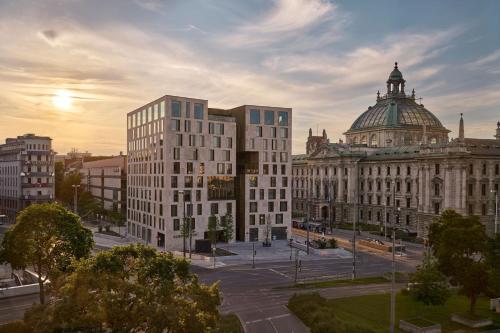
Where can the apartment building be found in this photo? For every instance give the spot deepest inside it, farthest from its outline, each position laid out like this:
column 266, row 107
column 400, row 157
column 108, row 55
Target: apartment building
column 185, row 159
column 106, row 180
column 26, row 173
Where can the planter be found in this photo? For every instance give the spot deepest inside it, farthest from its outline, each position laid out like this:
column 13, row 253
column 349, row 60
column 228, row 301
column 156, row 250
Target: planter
column 419, row 325
column 472, row 323
column 494, row 303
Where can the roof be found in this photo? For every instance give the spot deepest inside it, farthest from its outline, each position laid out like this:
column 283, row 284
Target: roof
column 400, row 152
column 300, row 157
column 396, row 112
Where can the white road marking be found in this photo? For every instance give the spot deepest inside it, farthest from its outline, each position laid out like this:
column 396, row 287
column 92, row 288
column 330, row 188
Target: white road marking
column 268, row 318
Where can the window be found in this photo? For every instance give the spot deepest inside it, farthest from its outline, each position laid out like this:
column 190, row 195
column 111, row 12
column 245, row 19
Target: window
column 177, row 153
column 253, row 207
column 283, row 132
column 178, row 140
column 252, row 181
column 252, row 219
column 282, row 194
column 189, row 168
column 283, row 206
column 262, row 219
column 408, row 170
column 175, row 125
column 436, row 189
column 177, row 225
column 265, row 169
column 217, row 141
column 471, row 189
column 258, row 131
column 199, row 209
column 270, row 206
column 271, row 194
column 283, row 118
column 229, row 143
column 187, row 125
column 214, row 208
column 483, row 190
column 173, row 182
column 199, row 181
column 269, row 117
column 437, row 169
column 176, row 109
column 254, row 116
column 484, row 169
column 279, row 219
column 220, row 168
column 252, row 194
column 173, row 210
column 177, row 168
column 408, row 202
column 212, row 155
column 227, row 155
column 436, row 208
column 198, row 111
column 273, row 132
column 192, row 140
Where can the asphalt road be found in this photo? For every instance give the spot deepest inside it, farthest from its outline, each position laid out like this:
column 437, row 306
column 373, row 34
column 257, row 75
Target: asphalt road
column 251, row 292
column 12, row 309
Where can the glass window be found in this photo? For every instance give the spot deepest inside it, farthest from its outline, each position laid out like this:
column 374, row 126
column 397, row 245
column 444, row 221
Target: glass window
column 254, row 116
column 283, row 132
column 176, row 109
column 258, row 131
column 175, row 125
column 269, row 117
column 188, row 110
column 198, row 111
column 283, row 118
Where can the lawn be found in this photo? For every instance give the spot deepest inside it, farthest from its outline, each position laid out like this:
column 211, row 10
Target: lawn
column 339, row 283
column 373, row 311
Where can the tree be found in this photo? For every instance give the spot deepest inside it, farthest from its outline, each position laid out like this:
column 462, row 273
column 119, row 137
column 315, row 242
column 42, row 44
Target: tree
column 131, row 288
column 45, row 238
column 429, row 285
column 459, row 245
column 213, row 223
column 227, row 226
column 493, row 262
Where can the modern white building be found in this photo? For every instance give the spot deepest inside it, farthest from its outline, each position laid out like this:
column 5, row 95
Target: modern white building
column 26, row 173
column 106, row 180
column 186, row 160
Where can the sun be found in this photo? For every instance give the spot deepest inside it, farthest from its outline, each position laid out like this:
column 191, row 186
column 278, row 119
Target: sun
column 62, row 100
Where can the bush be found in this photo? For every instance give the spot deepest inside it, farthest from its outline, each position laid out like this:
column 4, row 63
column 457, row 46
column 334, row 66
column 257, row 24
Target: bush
column 318, row 314
column 333, row 243
column 320, row 243
column 15, row 327
column 429, row 285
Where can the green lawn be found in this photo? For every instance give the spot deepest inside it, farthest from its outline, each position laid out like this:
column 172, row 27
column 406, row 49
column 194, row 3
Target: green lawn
column 373, row 311
column 339, row 283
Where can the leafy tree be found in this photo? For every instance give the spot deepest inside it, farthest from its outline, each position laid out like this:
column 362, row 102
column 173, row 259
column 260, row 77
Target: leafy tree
column 117, row 219
column 429, row 285
column 131, row 288
column 213, row 222
column 227, row 226
column 66, row 190
column 459, row 245
column 493, row 262
column 45, row 238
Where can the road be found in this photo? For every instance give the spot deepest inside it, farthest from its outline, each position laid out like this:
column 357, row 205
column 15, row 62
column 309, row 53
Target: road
column 13, row 308
column 252, row 294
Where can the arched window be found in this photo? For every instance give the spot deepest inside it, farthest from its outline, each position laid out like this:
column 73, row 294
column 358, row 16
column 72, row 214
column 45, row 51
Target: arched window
column 373, row 141
column 363, row 140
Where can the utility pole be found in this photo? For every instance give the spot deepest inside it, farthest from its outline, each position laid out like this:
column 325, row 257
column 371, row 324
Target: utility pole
column 75, row 197
column 356, row 214
column 393, row 279
column 253, row 254
column 298, row 264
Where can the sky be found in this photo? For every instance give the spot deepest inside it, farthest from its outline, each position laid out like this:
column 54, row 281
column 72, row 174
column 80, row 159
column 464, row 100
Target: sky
column 72, row 69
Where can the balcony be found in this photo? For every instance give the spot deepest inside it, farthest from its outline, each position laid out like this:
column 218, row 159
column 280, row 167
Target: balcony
column 46, row 197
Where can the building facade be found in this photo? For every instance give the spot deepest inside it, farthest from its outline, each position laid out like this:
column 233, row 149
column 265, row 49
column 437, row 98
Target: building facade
column 397, row 166
column 106, row 180
column 186, row 160
column 26, row 173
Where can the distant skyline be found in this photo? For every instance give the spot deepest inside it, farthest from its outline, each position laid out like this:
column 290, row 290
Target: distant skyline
column 72, row 69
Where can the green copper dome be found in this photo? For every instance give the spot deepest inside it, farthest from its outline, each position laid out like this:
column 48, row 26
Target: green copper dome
column 396, row 112
column 396, row 74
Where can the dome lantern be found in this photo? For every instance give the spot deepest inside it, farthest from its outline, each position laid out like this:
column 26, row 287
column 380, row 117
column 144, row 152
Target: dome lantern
column 396, row 83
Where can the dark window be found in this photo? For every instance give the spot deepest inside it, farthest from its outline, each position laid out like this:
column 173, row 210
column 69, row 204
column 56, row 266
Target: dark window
column 198, row 111
column 254, row 116
column 437, row 169
column 269, row 117
column 283, row 118
column 214, row 208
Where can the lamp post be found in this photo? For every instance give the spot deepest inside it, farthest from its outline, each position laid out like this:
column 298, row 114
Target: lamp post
column 496, row 211
column 75, row 198
column 393, row 278
column 181, row 194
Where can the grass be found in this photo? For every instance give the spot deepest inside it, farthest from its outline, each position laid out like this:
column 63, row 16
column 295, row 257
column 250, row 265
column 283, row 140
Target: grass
column 420, row 322
column 339, row 283
column 230, row 324
column 373, row 311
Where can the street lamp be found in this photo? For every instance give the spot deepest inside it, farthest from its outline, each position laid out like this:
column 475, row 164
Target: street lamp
column 75, row 198
column 393, row 279
column 496, row 211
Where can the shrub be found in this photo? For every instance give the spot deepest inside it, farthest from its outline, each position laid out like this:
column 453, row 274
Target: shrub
column 333, row 243
column 428, row 284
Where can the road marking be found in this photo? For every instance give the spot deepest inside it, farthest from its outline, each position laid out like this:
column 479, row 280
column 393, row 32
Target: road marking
column 279, row 273
column 268, row 318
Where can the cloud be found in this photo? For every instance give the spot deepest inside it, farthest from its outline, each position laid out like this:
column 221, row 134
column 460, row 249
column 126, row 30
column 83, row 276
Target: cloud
column 492, row 57
column 286, row 20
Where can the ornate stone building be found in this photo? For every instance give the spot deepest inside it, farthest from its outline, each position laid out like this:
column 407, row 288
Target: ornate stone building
column 397, row 165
